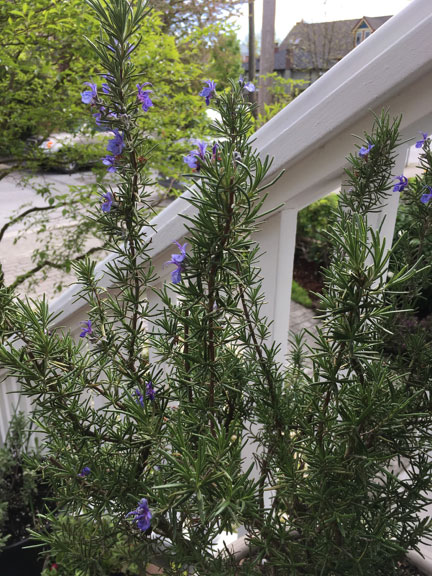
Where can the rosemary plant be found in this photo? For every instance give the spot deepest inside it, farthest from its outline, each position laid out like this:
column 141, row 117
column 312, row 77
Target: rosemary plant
column 146, row 458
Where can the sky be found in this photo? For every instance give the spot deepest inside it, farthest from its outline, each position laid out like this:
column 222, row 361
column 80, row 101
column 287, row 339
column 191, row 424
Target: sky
column 288, row 12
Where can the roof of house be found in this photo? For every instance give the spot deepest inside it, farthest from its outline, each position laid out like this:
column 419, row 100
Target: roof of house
column 374, row 21
column 320, row 45
column 280, row 61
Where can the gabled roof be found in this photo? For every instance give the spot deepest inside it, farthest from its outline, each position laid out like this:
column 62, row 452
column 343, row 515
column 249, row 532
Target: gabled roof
column 374, row 21
column 320, row 45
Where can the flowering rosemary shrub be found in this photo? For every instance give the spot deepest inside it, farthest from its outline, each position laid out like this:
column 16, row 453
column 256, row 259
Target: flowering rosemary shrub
column 149, row 454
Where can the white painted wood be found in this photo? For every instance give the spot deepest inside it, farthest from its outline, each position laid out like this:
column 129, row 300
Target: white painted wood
column 309, row 140
column 284, row 277
column 385, row 220
column 311, row 136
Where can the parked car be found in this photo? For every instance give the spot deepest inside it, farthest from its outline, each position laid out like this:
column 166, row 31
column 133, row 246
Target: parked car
column 70, row 152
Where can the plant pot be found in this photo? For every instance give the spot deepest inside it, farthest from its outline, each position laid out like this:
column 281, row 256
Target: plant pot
column 17, row 560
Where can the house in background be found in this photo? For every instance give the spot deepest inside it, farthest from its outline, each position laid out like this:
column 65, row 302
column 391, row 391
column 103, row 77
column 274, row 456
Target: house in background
column 309, row 50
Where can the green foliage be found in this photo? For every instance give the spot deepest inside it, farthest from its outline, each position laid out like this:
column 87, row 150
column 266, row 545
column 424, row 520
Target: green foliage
column 300, row 295
column 70, row 157
column 312, row 222
column 414, row 234
column 355, row 415
column 225, row 58
column 409, row 338
column 100, row 546
column 327, row 432
column 43, row 61
column 282, row 91
column 20, row 487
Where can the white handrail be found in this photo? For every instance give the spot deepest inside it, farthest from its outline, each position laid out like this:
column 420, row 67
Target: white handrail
column 311, row 136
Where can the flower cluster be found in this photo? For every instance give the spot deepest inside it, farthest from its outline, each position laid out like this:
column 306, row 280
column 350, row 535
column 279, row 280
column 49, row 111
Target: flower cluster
column 150, row 393
column 141, row 515
column 116, row 145
column 143, row 96
column 420, row 143
column 87, row 329
column 209, row 91
column 194, row 156
column 246, row 85
column 364, row 151
column 401, row 185
column 84, row 472
column 89, row 96
column 178, row 260
column 427, row 196
column 109, row 199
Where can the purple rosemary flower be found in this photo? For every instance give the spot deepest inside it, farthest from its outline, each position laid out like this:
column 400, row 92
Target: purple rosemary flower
column 105, row 88
column 84, row 472
column 139, row 397
column 209, row 91
column 177, row 260
column 150, row 391
column 215, row 148
column 194, row 156
column 422, row 142
column 89, row 96
column 109, row 161
column 191, row 160
column 116, row 145
column 98, row 116
column 365, row 151
column 427, row 197
column 109, row 199
column 129, row 47
column 246, row 85
column 142, row 515
column 143, row 96
column 401, row 185
column 87, row 329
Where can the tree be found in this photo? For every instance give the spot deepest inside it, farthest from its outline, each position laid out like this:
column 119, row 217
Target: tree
column 267, row 51
column 225, row 58
column 175, row 65
column 42, row 56
column 183, row 16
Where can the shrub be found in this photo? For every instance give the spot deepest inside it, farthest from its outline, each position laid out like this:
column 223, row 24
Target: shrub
column 148, row 448
column 21, row 487
column 313, row 244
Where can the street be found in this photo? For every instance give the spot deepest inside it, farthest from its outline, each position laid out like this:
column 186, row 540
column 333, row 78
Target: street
column 17, row 190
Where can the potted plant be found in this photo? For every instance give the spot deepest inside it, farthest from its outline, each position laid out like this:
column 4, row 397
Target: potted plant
column 22, row 495
column 150, row 448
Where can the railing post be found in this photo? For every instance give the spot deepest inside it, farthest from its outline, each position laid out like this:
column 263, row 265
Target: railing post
column 283, row 279
column 386, row 218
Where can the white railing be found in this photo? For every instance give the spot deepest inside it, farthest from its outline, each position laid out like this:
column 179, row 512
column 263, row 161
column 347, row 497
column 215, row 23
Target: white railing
column 309, row 139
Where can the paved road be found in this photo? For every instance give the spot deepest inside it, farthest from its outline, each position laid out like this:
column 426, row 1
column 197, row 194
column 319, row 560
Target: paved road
column 17, row 190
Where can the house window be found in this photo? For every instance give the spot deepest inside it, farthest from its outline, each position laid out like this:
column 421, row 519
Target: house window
column 363, row 31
